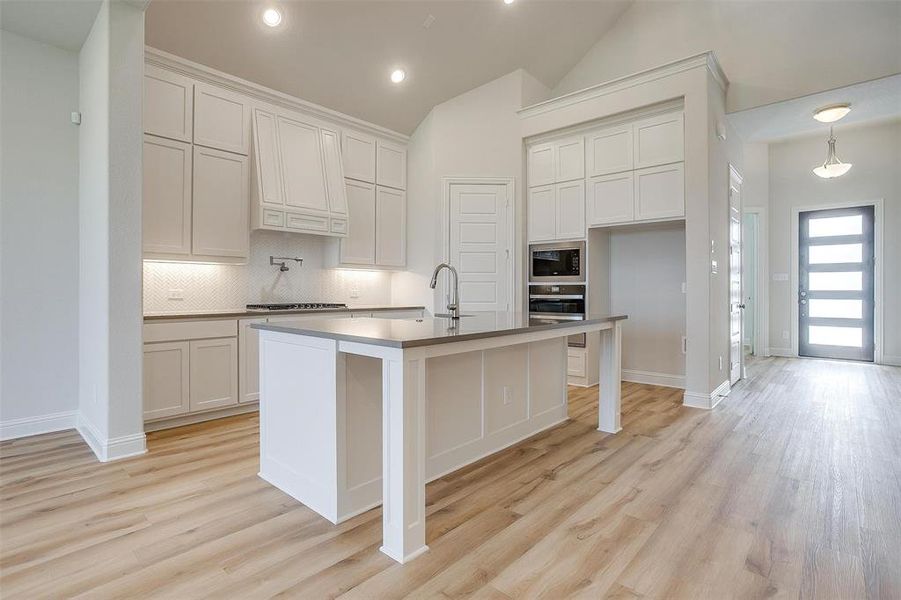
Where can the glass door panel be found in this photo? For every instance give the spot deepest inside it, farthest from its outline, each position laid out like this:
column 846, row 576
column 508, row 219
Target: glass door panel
column 835, row 283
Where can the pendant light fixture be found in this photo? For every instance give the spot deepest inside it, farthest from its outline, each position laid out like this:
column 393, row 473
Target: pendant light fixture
column 833, row 167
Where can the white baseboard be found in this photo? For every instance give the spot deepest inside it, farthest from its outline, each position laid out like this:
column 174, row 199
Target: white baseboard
column 653, row 378
column 707, row 401
column 12, row 429
column 894, row 361
column 112, row 448
column 785, row 352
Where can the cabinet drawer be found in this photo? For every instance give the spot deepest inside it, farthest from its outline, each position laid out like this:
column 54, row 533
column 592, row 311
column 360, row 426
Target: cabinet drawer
column 307, row 222
column 575, row 363
column 273, row 218
column 189, row 330
column 339, row 226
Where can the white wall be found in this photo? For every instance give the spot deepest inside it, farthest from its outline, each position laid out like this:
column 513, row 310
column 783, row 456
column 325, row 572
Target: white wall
column 39, row 310
column 209, row 287
column 771, row 51
column 647, row 270
column 875, row 152
column 476, row 134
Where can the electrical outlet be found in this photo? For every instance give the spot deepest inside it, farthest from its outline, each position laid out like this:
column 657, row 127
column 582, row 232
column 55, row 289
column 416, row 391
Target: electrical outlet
column 508, row 395
column 176, row 295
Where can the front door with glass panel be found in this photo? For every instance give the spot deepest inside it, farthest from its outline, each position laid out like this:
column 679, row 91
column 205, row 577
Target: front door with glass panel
column 835, row 283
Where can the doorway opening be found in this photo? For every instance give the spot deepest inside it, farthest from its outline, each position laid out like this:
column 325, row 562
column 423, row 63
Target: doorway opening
column 836, row 283
column 750, row 271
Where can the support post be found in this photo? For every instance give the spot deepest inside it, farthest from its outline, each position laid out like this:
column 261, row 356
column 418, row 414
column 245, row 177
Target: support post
column 609, row 392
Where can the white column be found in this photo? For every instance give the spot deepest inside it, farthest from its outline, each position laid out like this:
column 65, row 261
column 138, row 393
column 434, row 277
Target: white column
column 611, row 379
column 403, row 458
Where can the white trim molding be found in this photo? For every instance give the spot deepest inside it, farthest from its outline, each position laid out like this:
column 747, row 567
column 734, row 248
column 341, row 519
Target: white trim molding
column 704, row 59
column 264, row 94
column 107, row 450
column 762, row 285
column 653, row 378
column 12, row 429
column 892, row 361
column 707, row 401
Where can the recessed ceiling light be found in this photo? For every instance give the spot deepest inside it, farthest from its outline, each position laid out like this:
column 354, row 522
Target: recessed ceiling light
column 508, row 1
column 831, row 113
column 398, row 75
column 272, row 17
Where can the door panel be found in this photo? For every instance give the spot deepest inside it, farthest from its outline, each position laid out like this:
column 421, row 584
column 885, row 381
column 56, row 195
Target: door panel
column 735, row 290
column 390, row 227
column 542, row 214
column 836, row 272
column 220, row 211
column 166, row 196
column 302, row 168
column 359, row 245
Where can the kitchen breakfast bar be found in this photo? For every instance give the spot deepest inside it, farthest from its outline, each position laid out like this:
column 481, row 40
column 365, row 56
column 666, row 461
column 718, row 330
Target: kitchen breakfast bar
column 360, row 412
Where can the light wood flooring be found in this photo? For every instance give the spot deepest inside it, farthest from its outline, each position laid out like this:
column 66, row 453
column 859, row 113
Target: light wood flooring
column 790, row 488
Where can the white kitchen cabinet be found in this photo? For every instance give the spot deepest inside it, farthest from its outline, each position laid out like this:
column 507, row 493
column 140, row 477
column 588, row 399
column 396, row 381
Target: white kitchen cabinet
column 220, row 207
column 359, row 245
column 391, row 165
column 166, row 214
column 168, row 104
column 660, row 192
column 301, row 165
column 248, row 360
column 569, row 159
column 213, row 373
column 570, row 199
column 267, row 164
column 334, row 173
column 166, row 377
column 610, row 150
column 541, row 165
column 542, row 214
column 575, row 363
column 221, row 119
column 658, row 140
column 358, row 152
column 611, row 199
column 390, row 227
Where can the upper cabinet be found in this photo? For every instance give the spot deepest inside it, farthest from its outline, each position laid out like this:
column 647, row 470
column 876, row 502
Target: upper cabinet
column 556, row 162
column 359, row 156
column 220, row 214
column 221, row 119
column 168, row 104
column 167, row 196
column 391, row 165
column 298, row 175
column 658, row 140
column 557, row 212
column 609, row 150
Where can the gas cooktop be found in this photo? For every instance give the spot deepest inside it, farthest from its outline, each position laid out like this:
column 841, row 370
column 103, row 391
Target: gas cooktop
column 297, row 306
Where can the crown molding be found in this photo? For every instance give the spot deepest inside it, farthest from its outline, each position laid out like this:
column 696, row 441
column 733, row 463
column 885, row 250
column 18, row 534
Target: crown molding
column 705, row 59
column 261, row 93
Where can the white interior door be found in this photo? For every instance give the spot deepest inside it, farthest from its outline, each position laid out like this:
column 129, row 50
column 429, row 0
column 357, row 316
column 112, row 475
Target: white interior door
column 481, row 245
column 735, row 292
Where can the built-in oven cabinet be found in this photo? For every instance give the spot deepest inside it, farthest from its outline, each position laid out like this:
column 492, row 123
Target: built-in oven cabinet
column 557, row 262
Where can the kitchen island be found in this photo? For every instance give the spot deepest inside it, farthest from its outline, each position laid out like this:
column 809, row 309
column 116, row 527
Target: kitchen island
column 360, row 412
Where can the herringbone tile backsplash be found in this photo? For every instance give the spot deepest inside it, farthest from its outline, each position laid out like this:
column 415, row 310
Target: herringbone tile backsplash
column 207, row 287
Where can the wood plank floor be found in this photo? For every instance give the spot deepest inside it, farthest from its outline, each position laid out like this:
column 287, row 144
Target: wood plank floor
column 790, row 488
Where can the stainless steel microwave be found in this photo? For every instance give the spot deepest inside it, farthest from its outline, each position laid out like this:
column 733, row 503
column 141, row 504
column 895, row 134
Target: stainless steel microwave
column 559, row 262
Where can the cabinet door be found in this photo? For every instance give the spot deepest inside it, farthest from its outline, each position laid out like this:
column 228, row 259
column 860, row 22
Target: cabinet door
column 302, row 169
column 570, row 210
column 611, row 199
column 165, row 379
column 541, row 165
column 569, row 159
column 391, row 165
column 248, row 360
column 542, row 214
column 166, row 202
column 168, row 104
column 358, row 151
column 214, row 373
column 266, row 159
column 359, row 245
column 660, row 192
column 390, row 227
column 221, row 119
column 658, row 140
column 610, row 151
column 221, row 204
column 334, row 172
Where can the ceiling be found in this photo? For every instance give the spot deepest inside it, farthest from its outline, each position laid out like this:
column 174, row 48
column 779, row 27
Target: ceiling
column 871, row 101
column 61, row 23
column 339, row 53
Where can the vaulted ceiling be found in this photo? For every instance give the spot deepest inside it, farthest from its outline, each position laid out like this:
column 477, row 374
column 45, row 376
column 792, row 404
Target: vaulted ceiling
column 339, row 53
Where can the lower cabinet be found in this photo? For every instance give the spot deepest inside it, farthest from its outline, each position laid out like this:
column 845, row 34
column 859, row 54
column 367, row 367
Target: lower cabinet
column 213, row 373
column 166, row 375
column 248, row 360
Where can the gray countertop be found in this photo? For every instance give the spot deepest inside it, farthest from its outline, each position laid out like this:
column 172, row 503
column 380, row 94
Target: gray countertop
column 411, row 333
column 241, row 313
